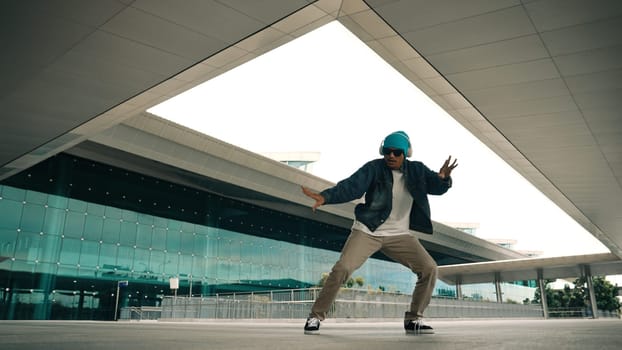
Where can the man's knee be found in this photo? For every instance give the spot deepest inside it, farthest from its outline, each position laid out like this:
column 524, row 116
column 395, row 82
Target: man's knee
column 341, row 271
column 433, row 272
column 340, row 267
column 429, row 270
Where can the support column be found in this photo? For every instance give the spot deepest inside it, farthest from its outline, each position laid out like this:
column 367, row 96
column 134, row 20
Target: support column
column 587, row 273
column 542, row 285
column 498, row 287
column 459, row 289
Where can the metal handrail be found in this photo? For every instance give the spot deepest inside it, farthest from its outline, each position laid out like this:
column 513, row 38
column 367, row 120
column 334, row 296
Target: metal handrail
column 134, row 309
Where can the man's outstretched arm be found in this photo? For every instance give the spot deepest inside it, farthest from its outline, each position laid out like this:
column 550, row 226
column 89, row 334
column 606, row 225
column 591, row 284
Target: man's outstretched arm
column 319, row 199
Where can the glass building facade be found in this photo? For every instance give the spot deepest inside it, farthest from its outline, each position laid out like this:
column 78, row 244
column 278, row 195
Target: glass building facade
column 71, row 229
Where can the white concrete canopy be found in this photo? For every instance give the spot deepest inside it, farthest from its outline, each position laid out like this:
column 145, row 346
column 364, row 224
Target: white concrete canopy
column 528, row 269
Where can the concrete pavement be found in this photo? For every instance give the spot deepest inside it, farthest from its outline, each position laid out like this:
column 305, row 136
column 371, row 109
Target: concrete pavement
column 341, row 334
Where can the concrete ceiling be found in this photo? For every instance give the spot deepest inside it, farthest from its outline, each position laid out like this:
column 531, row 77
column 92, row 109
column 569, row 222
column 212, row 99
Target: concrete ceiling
column 539, row 81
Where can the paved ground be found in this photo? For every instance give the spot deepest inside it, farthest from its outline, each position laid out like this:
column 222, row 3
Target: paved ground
column 450, row 334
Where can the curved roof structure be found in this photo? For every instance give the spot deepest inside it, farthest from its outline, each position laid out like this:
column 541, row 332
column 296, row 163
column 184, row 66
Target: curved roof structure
column 537, row 81
column 531, row 269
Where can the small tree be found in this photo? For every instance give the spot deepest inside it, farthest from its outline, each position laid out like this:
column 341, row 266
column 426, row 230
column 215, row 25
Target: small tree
column 574, row 297
column 360, row 281
column 604, row 292
column 608, row 293
column 552, row 300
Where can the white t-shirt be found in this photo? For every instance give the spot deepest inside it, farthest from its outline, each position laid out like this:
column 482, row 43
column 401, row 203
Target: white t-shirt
column 398, row 221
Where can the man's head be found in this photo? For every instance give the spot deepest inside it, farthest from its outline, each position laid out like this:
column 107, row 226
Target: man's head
column 395, row 148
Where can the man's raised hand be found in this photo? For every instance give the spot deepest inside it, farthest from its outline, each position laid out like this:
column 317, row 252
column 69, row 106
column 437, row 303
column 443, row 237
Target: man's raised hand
column 446, row 169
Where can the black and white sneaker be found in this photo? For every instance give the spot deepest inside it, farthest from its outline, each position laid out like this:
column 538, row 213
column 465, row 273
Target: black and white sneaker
column 417, row 327
column 312, row 326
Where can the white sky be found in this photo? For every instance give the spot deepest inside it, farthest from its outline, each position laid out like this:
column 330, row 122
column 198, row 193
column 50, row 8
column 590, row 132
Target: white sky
column 328, row 92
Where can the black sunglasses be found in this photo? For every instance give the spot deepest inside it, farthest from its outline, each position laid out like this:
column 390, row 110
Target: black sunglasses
column 396, row 152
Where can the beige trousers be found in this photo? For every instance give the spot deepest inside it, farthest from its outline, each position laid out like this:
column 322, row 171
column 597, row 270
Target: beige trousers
column 405, row 249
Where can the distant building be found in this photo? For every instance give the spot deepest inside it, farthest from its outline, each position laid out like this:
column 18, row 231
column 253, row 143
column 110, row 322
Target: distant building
column 503, row 242
column 466, row 227
column 532, row 253
column 511, row 244
column 472, row 227
column 299, row 160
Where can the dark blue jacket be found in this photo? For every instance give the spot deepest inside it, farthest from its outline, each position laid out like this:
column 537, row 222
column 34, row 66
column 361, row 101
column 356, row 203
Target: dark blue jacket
column 374, row 179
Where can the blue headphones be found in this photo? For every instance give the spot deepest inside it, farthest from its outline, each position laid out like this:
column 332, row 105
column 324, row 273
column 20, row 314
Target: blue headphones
column 402, row 134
